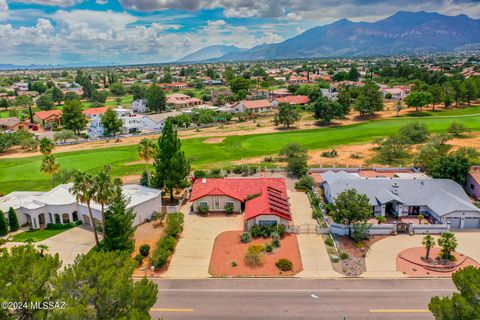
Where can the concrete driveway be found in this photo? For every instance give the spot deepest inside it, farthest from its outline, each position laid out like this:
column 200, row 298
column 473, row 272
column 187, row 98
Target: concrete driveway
column 382, row 256
column 68, row 244
column 192, row 254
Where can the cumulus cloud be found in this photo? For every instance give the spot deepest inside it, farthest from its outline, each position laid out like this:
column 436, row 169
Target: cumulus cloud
column 3, row 10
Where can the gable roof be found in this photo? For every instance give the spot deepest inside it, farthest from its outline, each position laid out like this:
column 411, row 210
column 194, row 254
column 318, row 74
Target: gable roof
column 255, row 104
column 47, row 114
column 9, row 122
column 294, row 99
column 271, row 194
column 98, row 110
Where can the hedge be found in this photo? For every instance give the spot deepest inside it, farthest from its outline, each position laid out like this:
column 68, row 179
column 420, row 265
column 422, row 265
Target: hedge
column 59, row 226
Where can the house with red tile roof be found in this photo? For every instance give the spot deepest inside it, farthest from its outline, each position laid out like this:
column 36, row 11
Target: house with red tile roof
column 263, row 201
column 292, row 100
column 48, row 118
column 255, row 106
column 180, row 100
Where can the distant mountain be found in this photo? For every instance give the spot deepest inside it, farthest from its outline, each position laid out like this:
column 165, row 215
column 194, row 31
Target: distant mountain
column 402, row 33
column 210, row 52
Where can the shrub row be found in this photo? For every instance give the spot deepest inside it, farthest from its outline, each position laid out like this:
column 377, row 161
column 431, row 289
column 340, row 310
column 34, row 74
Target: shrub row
column 266, row 231
column 59, row 226
column 166, row 245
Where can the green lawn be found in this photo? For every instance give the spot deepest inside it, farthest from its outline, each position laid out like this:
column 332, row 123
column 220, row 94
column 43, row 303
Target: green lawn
column 23, row 173
column 36, row 235
column 441, row 111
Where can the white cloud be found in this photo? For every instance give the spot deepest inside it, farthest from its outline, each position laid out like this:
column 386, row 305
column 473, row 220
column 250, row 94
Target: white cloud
column 94, row 19
column 3, row 10
column 56, row 3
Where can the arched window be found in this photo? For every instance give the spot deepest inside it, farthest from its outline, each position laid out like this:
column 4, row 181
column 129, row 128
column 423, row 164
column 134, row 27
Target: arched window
column 57, row 218
column 66, row 218
column 74, row 216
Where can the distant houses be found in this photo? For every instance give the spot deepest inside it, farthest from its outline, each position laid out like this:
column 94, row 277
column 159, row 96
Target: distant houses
column 255, row 106
column 48, row 118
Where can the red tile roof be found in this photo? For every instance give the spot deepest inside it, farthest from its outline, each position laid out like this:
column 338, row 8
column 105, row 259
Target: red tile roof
column 46, row 114
column 95, row 110
column 294, row 99
column 272, row 196
column 255, row 104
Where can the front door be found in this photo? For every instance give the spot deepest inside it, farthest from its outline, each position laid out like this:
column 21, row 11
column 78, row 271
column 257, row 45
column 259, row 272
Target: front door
column 402, row 227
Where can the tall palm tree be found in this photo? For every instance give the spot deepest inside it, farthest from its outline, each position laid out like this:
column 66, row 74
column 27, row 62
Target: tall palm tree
column 46, row 146
column 146, row 150
column 83, row 191
column 104, row 190
column 50, row 166
column 428, row 242
column 448, row 243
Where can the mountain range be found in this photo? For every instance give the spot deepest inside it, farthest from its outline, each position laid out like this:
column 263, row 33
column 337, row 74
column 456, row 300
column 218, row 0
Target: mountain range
column 402, row 33
column 210, row 52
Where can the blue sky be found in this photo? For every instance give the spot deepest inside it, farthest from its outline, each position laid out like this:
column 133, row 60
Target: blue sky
column 148, row 31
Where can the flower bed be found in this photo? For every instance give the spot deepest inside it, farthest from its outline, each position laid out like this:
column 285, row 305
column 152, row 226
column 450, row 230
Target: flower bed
column 228, row 257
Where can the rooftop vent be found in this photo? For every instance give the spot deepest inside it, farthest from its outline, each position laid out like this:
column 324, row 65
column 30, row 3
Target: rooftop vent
column 204, row 180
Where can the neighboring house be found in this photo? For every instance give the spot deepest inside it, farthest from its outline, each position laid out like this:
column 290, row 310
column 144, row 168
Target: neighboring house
column 439, row 200
column 179, row 100
column 94, row 116
column 28, row 93
column 139, row 106
column 472, row 184
column 213, row 82
column 280, row 93
column 131, row 122
column 298, row 79
column 20, row 86
column 395, row 93
column 263, row 201
column 48, row 118
column 330, row 94
column 173, row 85
column 292, row 100
column 15, row 124
column 155, row 122
column 59, row 206
column 255, row 106
column 214, row 95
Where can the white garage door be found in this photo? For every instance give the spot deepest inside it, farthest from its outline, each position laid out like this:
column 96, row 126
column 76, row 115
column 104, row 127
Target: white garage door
column 471, row 223
column 454, row 223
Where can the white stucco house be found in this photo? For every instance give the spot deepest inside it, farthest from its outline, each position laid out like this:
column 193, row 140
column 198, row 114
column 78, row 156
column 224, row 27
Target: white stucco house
column 139, row 106
column 59, row 206
column 155, row 122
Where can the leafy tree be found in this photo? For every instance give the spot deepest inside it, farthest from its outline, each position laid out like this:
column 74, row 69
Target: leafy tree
column 13, row 220
column 38, row 86
column 83, row 192
column 353, row 74
column 3, row 224
column 65, row 135
column 26, row 275
column 369, row 99
column 345, row 98
column 398, row 107
column 117, row 89
column 393, row 148
column 470, row 90
column 297, row 166
column 292, row 88
column 119, row 224
column 156, row 99
column 457, row 129
column 293, row 150
column 4, row 103
column 428, row 242
column 448, row 243
column 429, row 154
column 46, row 146
column 416, row 132
column 111, row 123
column 451, row 166
column 50, row 166
column 6, row 141
column 447, row 94
column 56, row 94
column 146, row 150
column 45, row 102
column 99, row 285
column 238, row 84
column 69, row 96
column 139, row 91
column 326, row 110
column 171, row 166
column 228, row 74
column 463, row 305
column 287, row 115
column 73, row 117
column 351, row 207
column 436, row 93
column 418, row 99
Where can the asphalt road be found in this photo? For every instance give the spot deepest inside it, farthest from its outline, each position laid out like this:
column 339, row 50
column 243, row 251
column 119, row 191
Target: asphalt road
column 230, row 299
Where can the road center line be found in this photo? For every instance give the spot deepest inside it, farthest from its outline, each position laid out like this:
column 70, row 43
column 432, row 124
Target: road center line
column 172, row 309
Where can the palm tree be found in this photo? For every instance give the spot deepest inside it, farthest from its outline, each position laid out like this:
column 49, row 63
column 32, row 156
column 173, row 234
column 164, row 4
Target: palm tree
column 428, row 242
column 104, row 190
column 50, row 166
column 46, row 146
column 146, row 150
column 83, row 191
column 448, row 243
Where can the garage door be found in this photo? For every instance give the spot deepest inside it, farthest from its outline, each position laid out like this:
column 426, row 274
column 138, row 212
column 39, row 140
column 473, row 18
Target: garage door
column 471, row 223
column 454, row 222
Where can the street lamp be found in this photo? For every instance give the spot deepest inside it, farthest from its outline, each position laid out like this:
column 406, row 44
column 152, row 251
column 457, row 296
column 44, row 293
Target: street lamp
column 314, row 296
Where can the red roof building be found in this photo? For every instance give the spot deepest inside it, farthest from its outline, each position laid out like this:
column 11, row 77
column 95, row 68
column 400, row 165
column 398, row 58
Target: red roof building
column 262, row 200
column 293, row 100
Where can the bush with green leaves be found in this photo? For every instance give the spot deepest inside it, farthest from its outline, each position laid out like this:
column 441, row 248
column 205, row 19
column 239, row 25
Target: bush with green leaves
column 256, row 248
column 203, row 209
column 174, row 224
column 139, row 258
column 305, row 183
column 360, row 231
column 164, row 250
column 144, row 250
column 329, row 242
column 344, row 255
column 268, row 248
column 246, row 237
column 199, row 174
column 229, row 208
column 284, row 265
column 3, row 224
column 12, row 219
column 457, row 129
column 267, row 230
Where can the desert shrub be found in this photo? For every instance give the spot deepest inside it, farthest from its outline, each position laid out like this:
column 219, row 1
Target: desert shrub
column 246, row 237
column 174, row 224
column 229, row 208
column 268, row 248
column 144, row 250
column 233, row 264
column 344, row 255
column 305, row 183
column 276, row 243
column 198, row 174
column 253, row 259
column 329, row 242
column 266, row 231
column 256, row 248
column 203, row 209
column 330, row 154
column 360, row 231
column 139, row 258
column 457, row 129
column 284, row 265
column 164, row 250
column 334, row 258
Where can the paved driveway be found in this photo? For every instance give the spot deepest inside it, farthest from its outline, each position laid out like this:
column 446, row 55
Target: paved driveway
column 192, row 254
column 68, row 244
column 382, row 256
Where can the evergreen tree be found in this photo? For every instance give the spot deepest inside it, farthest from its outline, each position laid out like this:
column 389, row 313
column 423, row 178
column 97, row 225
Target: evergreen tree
column 353, row 74
column 171, row 166
column 111, row 122
column 3, row 224
column 73, row 117
column 119, row 224
column 12, row 219
column 156, row 99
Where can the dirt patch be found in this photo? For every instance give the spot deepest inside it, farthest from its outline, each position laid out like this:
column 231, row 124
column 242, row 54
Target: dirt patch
column 228, row 249
column 213, row 140
column 146, row 234
column 133, row 163
column 410, row 262
column 349, row 155
column 132, row 179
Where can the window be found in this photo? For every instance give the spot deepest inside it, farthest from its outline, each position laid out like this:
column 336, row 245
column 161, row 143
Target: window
column 267, row 223
column 229, row 203
column 216, row 203
column 203, row 203
column 472, row 186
